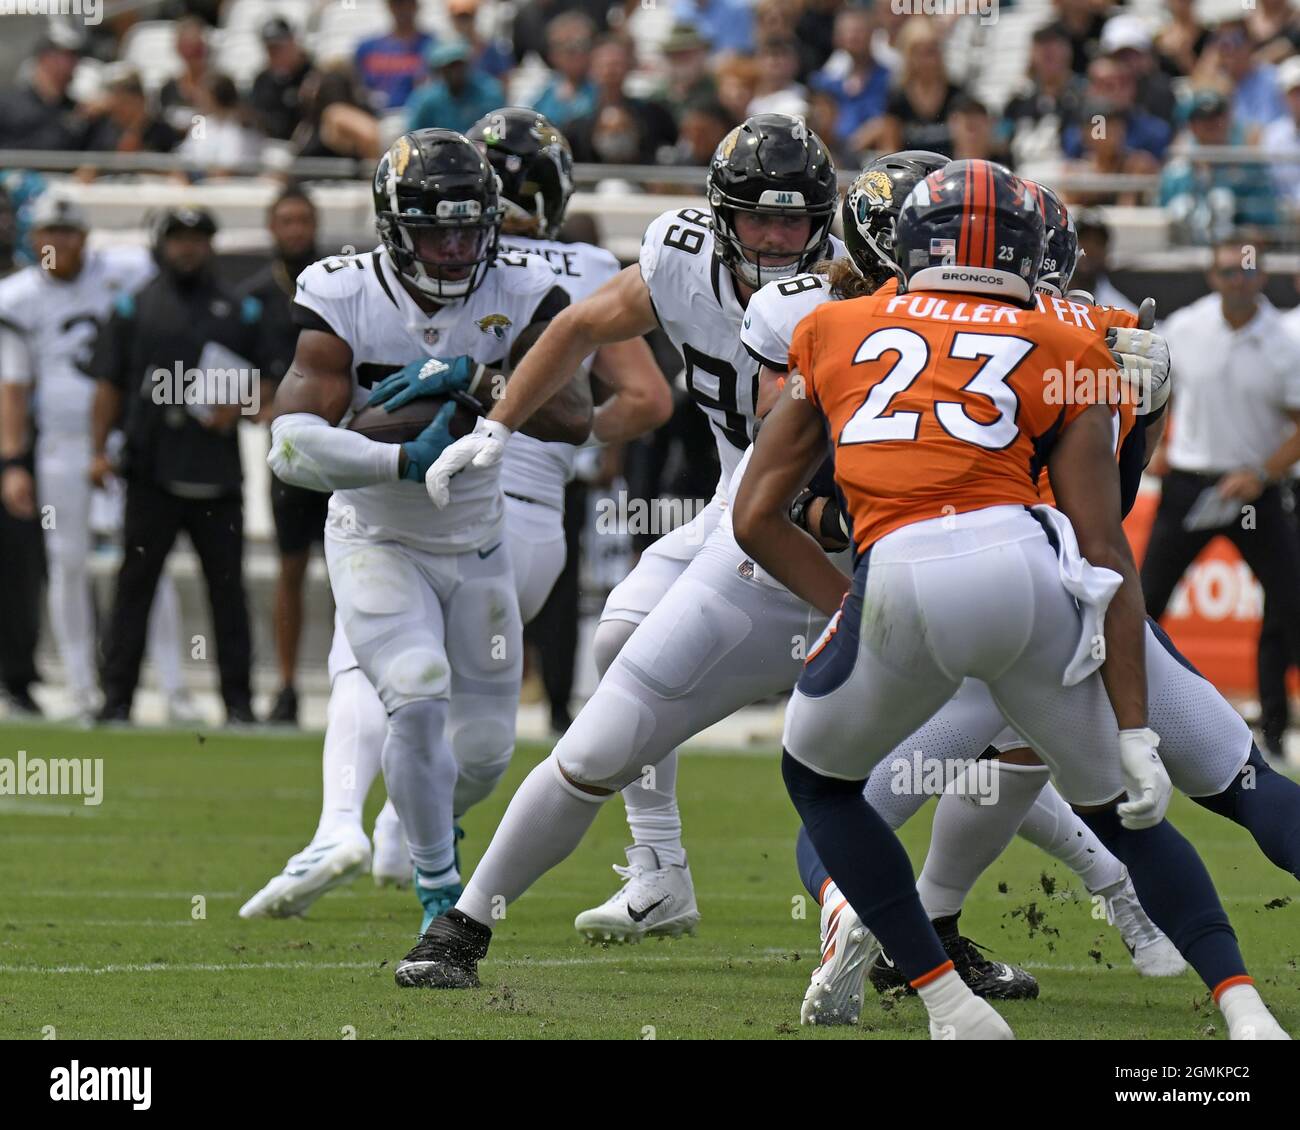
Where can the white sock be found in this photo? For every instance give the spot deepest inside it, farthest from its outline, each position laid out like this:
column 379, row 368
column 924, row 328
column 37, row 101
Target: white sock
column 355, row 730
column 1240, row 1004
column 970, row 833
column 71, row 620
column 943, row 996
column 652, row 812
column 420, row 775
column 545, row 821
column 1056, row 828
column 884, row 791
column 164, row 641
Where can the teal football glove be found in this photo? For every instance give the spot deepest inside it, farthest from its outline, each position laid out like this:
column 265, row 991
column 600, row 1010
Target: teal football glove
column 430, row 376
column 423, row 451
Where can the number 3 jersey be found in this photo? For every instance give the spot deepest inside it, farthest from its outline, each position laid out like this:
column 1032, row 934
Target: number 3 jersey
column 694, row 298
column 360, row 299
column 48, row 329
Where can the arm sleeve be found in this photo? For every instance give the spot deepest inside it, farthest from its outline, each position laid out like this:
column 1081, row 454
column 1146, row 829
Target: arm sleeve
column 307, row 451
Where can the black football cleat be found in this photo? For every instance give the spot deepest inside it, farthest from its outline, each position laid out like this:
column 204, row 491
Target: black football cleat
column 446, row 956
column 285, row 710
column 992, row 980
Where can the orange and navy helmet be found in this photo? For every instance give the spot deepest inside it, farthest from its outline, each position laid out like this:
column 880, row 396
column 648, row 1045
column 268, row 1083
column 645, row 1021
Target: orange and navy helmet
column 1062, row 250
column 972, row 226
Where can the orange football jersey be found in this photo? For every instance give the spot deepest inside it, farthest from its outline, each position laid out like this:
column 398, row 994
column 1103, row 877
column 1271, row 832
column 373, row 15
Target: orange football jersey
column 939, row 403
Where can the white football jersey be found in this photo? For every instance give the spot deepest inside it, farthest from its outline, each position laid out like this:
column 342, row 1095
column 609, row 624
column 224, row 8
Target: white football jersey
column 532, row 468
column 695, row 300
column 361, row 299
column 48, row 329
column 775, row 312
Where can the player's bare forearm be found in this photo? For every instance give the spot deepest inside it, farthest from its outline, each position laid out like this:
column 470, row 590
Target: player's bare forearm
column 642, row 400
column 104, row 414
column 788, row 450
column 617, row 311
column 1085, row 481
column 13, row 419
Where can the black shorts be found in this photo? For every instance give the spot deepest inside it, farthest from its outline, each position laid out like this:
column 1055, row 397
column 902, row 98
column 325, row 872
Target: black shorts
column 299, row 516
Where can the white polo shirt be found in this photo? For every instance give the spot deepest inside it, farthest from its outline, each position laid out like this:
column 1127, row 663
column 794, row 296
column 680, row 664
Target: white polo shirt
column 1232, row 388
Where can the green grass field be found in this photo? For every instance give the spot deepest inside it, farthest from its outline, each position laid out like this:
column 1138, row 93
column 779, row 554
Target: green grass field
column 119, row 920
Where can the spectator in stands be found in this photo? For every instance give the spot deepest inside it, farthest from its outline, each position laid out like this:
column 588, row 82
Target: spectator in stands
column 727, row 25
column 334, row 123
column 1092, row 270
column 1181, row 40
column 1283, row 135
column 180, row 96
column 1234, row 435
column 815, row 30
column 1274, row 29
column 39, row 113
column 1104, row 149
column 533, row 18
column 390, row 66
column 126, row 124
column 570, row 94
column 22, row 564
column 970, row 125
column 1083, row 22
column 1208, row 200
column 276, row 93
column 1226, row 62
column 491, row 56
column 1113, row 89
column 777, row 21
column 1033, row 119
column 1127, row 42
column 220, row 138
column 916, row 113
column 703, row 126
column 686, row 61
column 183, row 467
column 655, row 130
column 299, row 514
column 823, row 120
column 459, row 93
column 778, row 90
column 737, row 79
column 861, row 87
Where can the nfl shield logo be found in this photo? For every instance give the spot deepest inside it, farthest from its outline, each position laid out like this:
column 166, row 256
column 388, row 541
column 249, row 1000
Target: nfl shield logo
column 943, row 249
column 431, row 335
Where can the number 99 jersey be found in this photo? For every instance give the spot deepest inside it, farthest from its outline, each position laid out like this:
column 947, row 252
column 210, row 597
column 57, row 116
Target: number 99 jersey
column 695, row 300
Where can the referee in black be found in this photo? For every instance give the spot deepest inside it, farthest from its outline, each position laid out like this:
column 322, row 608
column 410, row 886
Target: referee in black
column 181, row 464
column 299, row 513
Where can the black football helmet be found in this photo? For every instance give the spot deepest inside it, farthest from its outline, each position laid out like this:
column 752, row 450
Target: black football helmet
column 533, row 161
column 771, row 165
column 1062, row 251
column 972, row 226
column 871, row 208
column 438, row 211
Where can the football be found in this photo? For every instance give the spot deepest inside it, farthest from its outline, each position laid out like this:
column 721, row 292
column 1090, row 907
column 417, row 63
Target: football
column 411, row 419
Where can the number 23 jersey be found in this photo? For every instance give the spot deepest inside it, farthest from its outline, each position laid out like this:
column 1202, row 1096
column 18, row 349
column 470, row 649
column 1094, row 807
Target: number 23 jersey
column 695, row 300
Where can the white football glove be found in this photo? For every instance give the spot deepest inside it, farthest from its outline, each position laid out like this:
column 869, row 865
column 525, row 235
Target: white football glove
column 1145, row 779
column 1144, row 358
column 483, row 447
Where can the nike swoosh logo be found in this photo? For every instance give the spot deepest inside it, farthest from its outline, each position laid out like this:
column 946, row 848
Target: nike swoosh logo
column 484, row 554
column 639, row 915
column 1006, row 975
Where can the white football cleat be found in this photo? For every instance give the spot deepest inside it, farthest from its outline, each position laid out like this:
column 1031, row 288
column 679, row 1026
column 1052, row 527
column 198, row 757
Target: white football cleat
column 654, row 902
column 974, row 1019
column 319, row 867
column 1154, row 955
column 391, row 865
column 182, row 710
column 834, row 994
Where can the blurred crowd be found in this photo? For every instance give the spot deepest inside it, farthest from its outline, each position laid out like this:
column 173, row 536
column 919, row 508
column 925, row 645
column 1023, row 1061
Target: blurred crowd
column 1104, row 92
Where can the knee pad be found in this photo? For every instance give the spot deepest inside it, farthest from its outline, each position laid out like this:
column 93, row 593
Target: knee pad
column 412, row 674
column 416, row 731
column 483, row 748
column 608, row 641
column 605, row 747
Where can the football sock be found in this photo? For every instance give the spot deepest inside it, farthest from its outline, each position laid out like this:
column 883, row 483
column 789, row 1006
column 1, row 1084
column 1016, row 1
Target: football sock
column 546, row 819
column 975, row 820
column 420, row 775
column 1176, row 892
column 653, row 815
column 868, row 863
column 811, row 872
column 1056, row 828
column 355, row 730
column 72, row 624
column 896, row 805
column 1267, row 805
